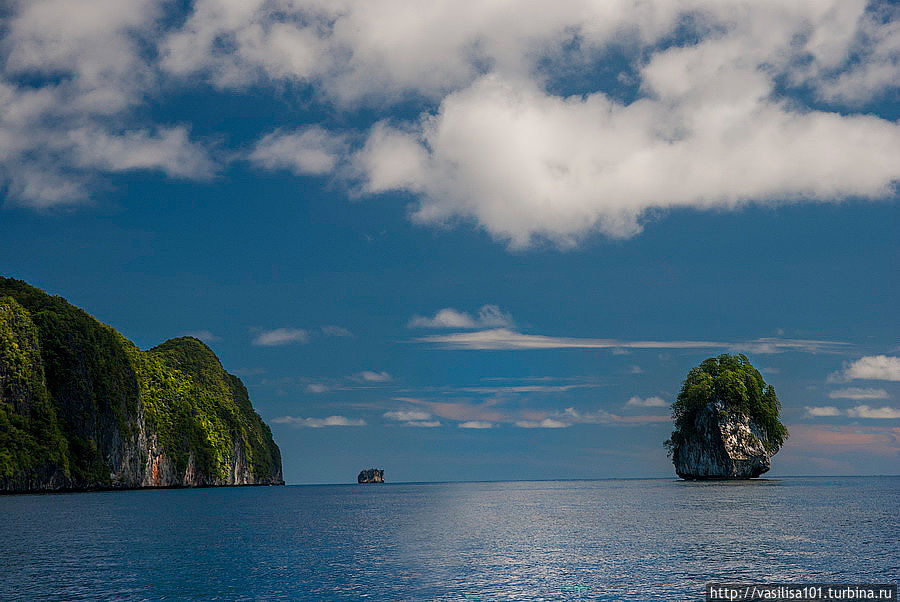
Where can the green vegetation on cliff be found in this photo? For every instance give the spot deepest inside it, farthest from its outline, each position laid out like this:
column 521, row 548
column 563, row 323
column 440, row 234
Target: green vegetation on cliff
column 732, row 382
column 30, row 434
column 194, row 405
column 81, row 406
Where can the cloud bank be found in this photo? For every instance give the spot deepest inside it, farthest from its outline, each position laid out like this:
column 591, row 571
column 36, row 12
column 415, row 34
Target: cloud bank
column 709, row 104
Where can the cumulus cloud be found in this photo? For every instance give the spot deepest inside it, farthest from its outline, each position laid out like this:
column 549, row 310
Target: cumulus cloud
column 475, row 424
column 525, row 164
column 877, row 46
column 857, row 393
column 715, row 117
column 316, row 388
column 864, row 411
column 822, row 411
column 281, row 336
column 415, row 418
column 373, row 377
column 319, row 422
column 168, row 150
column 870, row 367
column 649, row 402
column 489, row 316
column 72, row 76
column 504, row 338
column 306, row 151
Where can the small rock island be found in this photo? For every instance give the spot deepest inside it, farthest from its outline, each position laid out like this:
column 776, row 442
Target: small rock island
column 372, row 475
column 726, row 422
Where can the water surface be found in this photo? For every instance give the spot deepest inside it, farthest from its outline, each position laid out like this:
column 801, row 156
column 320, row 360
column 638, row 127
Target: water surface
column 554, row 540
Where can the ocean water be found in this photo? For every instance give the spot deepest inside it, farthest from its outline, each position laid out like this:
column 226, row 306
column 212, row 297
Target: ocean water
column 552, row 540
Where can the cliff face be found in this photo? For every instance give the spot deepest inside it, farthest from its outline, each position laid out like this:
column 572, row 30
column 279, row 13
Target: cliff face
column 372, row 475
column 81, row 407
column 722, row 445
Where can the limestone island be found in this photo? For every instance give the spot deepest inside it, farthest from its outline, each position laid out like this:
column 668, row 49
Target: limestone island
column 726, row 422
column 372, row 475
column 81, row 407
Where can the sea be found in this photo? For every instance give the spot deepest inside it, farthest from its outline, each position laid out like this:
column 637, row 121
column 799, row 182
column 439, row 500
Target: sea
column 656, row 539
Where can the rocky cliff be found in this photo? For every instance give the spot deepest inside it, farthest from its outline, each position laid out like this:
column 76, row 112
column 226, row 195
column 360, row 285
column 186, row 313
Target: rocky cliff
column 81, row 407
column 722, row 445
column 726, row 422
column 372, row 475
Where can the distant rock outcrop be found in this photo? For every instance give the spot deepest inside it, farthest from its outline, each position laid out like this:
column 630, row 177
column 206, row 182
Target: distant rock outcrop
column 372, row 475
column 726, row 422
column 81, row 407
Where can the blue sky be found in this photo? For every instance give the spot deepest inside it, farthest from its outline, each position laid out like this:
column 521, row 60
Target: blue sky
column 467, row 243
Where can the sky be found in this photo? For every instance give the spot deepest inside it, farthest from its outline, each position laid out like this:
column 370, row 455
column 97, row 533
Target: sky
column 475, row 240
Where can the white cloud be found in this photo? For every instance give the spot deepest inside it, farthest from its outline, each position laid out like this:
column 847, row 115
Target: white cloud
column 546, row 423
column 527, row 388
column 316, row 388
column 864, row 411
column 336, row 331
column 710, row 127
column 649, row 402
column 86, row 67
column 489, row 316
column 870, row 367
column 413, row 418
column 373, row 377
column 319, row 422
column 504, row 338
column 571, row 416
column 407, row 415
column 281, row 336
column 856, row 393
column 475, row 424
column 168, row 150
column 204, row 335
column 526, row 165
column 878, row 42
column 306, row 151
column 822, row 411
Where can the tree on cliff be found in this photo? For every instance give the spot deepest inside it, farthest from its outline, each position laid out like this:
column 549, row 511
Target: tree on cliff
column 735, row 386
